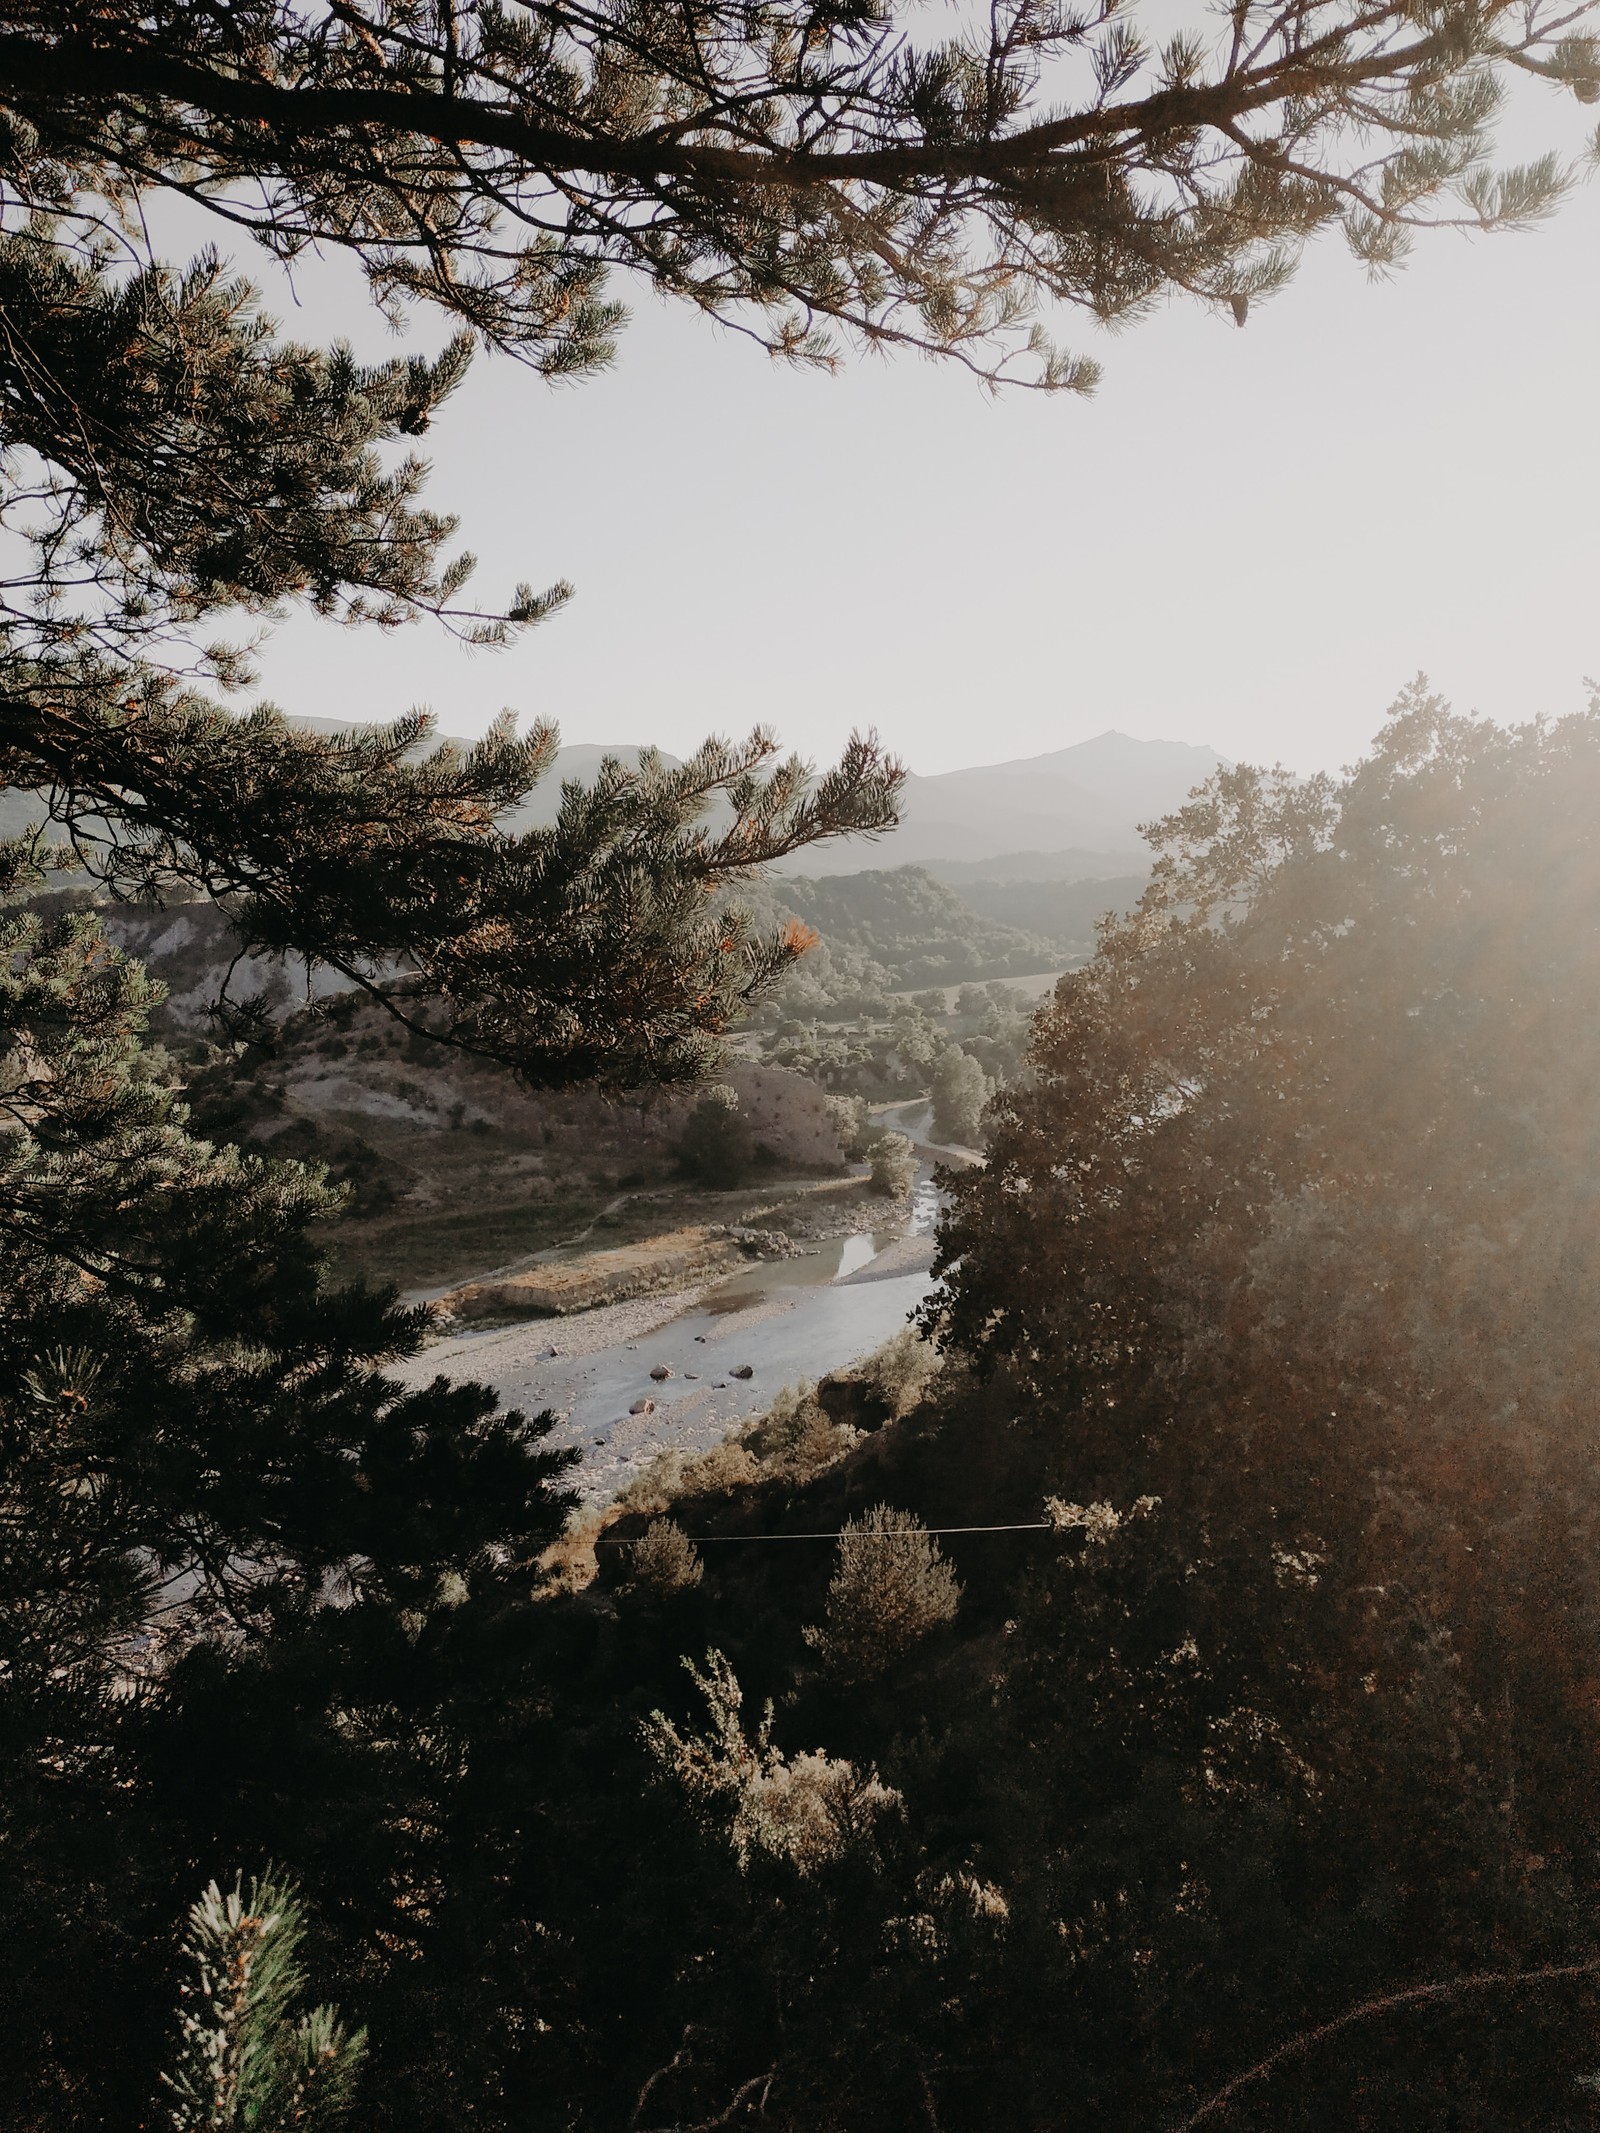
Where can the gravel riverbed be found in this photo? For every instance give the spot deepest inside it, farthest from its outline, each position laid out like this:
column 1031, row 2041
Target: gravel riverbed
column 726, row 1349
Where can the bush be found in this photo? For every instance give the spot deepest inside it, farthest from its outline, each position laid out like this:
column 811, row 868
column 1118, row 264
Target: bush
column 792, row 1441
column 807, row 1811
column 673, row 1474
column 718, row 1144
column 891, row 1588
column 848, row 1117
column 960, row 1091
column 795, row 1439
column 894, row 1165
column 665, row 1560
column 902, row 1370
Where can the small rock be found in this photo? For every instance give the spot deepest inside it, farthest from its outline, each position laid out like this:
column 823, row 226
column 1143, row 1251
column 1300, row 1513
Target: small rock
column 721, row 1385
column 743, row 1371
column 642, row 1407
column 692, row 1376
column 700, row 1337
column 660, row 1371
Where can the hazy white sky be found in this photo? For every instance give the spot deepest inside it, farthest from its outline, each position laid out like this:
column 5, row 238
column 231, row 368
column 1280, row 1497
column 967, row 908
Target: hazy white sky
column 1245, row 538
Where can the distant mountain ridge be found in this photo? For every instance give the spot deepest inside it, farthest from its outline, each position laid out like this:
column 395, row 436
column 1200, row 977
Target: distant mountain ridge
column 1072, row 814
column 1084, row 802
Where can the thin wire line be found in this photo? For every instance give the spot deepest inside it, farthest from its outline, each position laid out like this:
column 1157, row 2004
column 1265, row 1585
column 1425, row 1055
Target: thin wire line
column 703, row 1540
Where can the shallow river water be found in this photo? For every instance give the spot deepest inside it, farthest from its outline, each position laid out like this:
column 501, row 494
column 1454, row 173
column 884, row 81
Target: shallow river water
column 792, row 1319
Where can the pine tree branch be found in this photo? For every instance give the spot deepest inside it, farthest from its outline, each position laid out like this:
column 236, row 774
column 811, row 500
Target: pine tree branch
column 125, row 72
column 1448, row 1989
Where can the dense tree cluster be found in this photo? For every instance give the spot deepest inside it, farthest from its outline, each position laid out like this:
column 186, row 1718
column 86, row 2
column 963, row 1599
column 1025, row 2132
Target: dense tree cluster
column 1264, row 1740
column 885, row 932
column 1266, row 1345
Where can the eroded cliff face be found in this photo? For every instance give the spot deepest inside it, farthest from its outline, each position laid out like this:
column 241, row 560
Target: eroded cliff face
column 453, row 1168
column 335, row 1055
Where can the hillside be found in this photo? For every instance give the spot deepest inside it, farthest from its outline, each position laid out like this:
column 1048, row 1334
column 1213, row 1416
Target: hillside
column 1064, row 913
column 890, row 930
column 1088, row 800
column 452, row 1167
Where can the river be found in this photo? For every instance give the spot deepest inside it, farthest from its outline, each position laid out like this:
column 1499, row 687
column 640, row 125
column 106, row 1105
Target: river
column 784, row 1321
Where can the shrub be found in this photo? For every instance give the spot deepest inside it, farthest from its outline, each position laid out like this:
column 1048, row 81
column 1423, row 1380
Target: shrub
column 795, row 1438
column 848, row 1117
column 807, row 1811
column 902, row 1369
column 960, row 1091
column 894, row 1165
column 665, row 1560
column 718, row 1144
column 891, row 1588
column 673, row 1474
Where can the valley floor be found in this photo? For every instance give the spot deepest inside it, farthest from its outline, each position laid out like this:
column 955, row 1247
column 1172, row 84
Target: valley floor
column 728, row 1347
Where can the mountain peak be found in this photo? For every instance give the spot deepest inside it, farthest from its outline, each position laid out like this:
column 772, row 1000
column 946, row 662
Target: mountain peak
column 1086, row 799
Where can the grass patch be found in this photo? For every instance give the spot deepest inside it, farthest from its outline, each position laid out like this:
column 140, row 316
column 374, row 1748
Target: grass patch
column 425, row 1247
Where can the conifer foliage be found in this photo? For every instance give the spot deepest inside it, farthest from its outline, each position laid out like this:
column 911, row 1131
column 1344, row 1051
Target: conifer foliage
column 171, row 460
column 229, row 1544
column 891, row 1589
column 201, row 1465
column 794, row 170
column 246, row 2063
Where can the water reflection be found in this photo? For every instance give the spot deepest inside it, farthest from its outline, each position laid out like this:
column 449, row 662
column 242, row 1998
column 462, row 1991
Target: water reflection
column 767, row 1326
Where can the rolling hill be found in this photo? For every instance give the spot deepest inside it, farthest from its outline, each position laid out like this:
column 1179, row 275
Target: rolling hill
column 1082, row 804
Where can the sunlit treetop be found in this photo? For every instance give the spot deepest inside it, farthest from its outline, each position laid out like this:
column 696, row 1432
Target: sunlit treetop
column 796, row 167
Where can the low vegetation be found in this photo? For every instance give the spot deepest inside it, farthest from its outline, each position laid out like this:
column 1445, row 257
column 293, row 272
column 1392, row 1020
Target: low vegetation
column 891, row 1589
